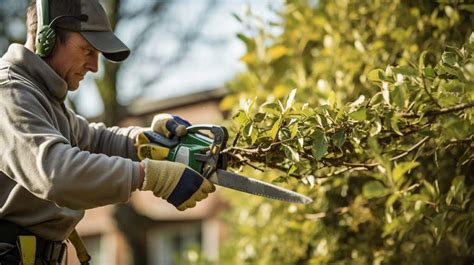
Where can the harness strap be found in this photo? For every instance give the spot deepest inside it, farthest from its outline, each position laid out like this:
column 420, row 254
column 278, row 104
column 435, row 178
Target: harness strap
column 27, row 247
column 31, row 246
column 81, row 250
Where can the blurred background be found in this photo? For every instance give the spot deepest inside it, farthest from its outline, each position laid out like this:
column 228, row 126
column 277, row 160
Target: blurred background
column 204, row 60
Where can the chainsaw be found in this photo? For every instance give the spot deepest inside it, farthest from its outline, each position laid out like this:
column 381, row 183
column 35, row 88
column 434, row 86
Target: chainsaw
column 201, row 149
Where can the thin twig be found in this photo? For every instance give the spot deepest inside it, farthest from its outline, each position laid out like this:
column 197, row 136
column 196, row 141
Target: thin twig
column 252, row 165
column 360, row 164
column 411, row 149
column 339, row 172
column 245, row 161
column 243, row 150
column 236, row 139
column 429, row 94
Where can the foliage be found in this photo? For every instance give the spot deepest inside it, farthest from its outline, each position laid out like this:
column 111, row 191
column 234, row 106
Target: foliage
column 387, row 154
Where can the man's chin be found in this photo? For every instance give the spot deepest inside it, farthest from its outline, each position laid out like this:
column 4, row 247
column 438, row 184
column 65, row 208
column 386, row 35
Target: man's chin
column 73, row 86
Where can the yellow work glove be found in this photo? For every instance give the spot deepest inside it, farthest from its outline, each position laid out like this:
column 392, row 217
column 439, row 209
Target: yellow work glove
column 165, row 124
column 175, row 182
column 147, row 150
column 169, row 125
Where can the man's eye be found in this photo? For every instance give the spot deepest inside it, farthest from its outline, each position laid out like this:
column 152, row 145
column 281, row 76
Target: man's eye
column 88, row 52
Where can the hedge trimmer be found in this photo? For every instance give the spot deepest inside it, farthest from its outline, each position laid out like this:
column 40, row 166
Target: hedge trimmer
column 203, row 153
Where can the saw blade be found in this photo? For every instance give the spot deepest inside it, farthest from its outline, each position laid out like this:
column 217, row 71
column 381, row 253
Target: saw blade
column 256, row 187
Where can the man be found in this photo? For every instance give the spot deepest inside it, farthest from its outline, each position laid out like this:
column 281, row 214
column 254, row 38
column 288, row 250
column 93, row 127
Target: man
column 53, row 163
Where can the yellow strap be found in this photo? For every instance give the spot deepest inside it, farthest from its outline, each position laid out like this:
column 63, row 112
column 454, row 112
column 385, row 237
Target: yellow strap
column 27, row 249
column 152, row 151
column 81, row 250
column 141, row 139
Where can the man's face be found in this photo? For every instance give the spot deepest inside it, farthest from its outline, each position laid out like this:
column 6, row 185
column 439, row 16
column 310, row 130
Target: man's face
column 73, row 59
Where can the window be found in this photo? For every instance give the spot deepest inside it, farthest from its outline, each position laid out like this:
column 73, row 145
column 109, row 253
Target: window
column 174, row 243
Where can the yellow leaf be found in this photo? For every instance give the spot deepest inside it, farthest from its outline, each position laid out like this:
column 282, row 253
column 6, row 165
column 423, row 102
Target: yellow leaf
column 277, row 52
column 227, row 103
column 378, row 45
column 280, row 91
column 248, row 58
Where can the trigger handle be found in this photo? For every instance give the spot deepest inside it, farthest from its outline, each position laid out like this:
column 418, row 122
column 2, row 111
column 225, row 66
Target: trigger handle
column 159, row 139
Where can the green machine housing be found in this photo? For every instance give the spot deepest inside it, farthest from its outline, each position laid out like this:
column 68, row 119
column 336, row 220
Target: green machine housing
column 196, row 149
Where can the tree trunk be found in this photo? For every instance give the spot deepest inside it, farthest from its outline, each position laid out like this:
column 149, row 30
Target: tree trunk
column 128, row 221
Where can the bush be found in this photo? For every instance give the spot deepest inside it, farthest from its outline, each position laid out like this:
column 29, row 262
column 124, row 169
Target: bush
column 385, row 151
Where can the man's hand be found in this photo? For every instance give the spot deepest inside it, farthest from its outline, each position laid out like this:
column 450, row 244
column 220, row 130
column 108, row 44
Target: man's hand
column 169, row 125
column 166, row 125
column 176, row 183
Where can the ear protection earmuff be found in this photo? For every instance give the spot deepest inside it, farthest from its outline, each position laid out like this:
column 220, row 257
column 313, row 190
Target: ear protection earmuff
column 45, row 33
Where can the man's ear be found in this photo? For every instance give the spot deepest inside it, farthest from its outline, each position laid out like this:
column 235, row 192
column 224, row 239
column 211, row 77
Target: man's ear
column 30, row 42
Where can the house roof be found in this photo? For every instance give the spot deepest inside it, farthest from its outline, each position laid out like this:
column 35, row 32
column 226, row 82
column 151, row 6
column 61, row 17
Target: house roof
column 144, row 106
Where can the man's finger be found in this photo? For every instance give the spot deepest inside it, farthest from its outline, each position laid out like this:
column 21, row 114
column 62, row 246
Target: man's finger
column 175, row 128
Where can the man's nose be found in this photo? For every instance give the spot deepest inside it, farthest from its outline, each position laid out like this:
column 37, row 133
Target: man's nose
column 93, row 63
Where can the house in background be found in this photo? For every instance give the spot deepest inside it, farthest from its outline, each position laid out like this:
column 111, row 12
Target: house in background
column 169, row 232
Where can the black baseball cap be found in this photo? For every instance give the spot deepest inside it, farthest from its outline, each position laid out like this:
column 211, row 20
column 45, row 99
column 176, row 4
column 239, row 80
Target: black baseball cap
column 93, row 24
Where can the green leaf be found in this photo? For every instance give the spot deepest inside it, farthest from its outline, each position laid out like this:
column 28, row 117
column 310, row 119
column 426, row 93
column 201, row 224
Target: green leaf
column 359, row 101
column 259, row 117
column 294, row 130
column 240, row 118
column 332, row 98
column 430, row 189
column 248, row 129
column 398, row 96
column 360, row 114
column 449, row 58
column 320, row 145
column 376, row 75
column 421, row 60
column 254, row 136
column 391, row 200
column 429, row 72
column 274, row 130
column 272, row 108
column 455, row 190
column 339, row 138
column 236, row 17
column 467, row 7
column 394, row 124
column 250, row 43
column 376, row 126
column 292, row 169
column 392, row 120
column 405, row 70
column 293, row 154
column 374, row 189
column 402, row 168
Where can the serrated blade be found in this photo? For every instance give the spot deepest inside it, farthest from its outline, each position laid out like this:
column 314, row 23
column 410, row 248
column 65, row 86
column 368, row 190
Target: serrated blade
column 256, row 187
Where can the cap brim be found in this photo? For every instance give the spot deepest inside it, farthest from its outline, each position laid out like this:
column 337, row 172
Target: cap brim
column 106, row 42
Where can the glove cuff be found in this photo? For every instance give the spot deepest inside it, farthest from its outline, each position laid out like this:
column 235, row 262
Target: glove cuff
column 161, row 177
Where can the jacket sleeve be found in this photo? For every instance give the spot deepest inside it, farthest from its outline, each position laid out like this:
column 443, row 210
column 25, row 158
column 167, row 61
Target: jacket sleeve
column 97, row 138
column 36, row 155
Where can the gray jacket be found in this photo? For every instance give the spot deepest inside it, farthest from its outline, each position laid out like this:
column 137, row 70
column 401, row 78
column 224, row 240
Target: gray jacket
column 54, row 165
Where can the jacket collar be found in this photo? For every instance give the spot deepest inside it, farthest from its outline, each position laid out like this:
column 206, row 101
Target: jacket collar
column 43, row 74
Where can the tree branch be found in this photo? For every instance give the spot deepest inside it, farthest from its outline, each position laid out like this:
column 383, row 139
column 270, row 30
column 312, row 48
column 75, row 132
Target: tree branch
column 442, row 111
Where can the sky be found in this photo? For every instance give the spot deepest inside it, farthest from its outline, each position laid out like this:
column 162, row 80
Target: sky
column 208, row 64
